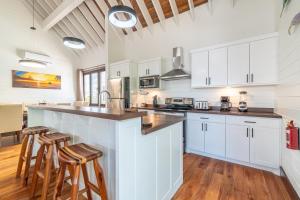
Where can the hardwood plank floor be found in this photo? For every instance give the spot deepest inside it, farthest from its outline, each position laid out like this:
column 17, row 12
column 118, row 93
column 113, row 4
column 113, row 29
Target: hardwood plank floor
column 211, row 179
column 204, row 179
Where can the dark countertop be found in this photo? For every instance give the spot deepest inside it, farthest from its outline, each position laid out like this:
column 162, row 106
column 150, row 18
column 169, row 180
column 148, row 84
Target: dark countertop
column 159, row 121
column 105, row 113
column 252, row 112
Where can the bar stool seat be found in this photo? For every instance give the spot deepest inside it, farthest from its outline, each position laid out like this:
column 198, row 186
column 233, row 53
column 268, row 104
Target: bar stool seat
column 77, row 156
column 48, row 142
column 26, row 148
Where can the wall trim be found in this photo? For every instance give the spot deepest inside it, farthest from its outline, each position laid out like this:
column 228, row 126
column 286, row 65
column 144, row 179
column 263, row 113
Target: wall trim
column 288, row 184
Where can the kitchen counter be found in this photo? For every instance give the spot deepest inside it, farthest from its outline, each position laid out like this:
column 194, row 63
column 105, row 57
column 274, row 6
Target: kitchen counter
column 159, row 121
column 252, row 112
column 105, row 113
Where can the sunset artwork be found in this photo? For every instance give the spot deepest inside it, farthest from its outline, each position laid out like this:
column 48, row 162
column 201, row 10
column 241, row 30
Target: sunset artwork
column 23, row 79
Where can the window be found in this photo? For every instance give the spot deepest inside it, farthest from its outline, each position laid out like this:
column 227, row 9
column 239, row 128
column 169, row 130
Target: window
column 93, row 82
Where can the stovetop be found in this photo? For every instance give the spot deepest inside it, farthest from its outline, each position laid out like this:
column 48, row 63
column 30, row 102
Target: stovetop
column 177, row 107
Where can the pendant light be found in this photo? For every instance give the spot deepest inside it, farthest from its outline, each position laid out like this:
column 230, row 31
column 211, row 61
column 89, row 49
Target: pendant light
column 29, row 62
column 119, row 9
column 74, row 43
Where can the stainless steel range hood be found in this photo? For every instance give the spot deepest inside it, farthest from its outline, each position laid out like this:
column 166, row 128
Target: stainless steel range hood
column 177, row 72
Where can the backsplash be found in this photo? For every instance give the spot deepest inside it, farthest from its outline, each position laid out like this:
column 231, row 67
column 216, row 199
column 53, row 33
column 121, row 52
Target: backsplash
column 258, row 96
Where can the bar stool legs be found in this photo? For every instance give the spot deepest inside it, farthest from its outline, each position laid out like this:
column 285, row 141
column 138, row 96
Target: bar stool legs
column 22, row 154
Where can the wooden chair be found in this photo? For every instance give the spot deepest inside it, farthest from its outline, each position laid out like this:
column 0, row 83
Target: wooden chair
column 26, row 148
column 75, row 156
column 48, row 143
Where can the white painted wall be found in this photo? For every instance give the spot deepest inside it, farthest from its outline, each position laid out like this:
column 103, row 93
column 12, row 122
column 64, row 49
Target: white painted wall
column 15, row 20
column 225, row 24
column 93, row 57
column 288, row 92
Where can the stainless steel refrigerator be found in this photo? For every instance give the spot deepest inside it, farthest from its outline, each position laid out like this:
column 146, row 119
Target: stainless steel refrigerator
column 120, row 92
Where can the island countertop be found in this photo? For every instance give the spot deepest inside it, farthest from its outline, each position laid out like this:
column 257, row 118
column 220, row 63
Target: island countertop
column 99, row 112
column 159, row 121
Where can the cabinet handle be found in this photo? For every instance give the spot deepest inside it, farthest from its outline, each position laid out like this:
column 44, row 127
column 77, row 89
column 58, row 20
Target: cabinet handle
column 205, row 127
column 252, row 78
column 252, row 133
column 148, row 71
column 209, row 79
column 204, row 118
column 250, row 122
column 247, row 132
column 247, row 78
column 202, row 126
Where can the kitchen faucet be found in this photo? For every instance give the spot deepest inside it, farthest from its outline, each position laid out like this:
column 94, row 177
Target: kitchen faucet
column 108, row 97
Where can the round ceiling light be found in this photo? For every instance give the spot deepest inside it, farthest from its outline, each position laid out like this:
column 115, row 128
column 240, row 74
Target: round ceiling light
column 74, row 43
column 32, row 63
column 129, row 12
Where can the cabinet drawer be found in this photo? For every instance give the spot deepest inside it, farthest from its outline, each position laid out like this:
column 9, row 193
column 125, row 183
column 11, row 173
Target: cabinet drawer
column 206, row 117
column 254, row 121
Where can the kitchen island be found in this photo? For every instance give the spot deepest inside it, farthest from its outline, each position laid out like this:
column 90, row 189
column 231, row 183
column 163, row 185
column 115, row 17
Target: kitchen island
column 139, row 163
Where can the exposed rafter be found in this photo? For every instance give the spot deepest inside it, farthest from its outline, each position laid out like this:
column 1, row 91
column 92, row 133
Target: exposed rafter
column 174, row 10
column 159, row 12
column 60, row 12
column 138, row 24
column 145, row 13
column 192, row 10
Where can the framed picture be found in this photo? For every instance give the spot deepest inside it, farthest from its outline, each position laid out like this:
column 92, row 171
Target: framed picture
column 22, row 79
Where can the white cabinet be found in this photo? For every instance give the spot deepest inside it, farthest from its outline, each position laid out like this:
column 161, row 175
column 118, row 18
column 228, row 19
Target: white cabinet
column 254, row 140
column 150, row 67
column 238, row 64
column 195, row 135
column 264, row 147
column 199, row 67
column 214, row 138
column 206, row 133
column 122, row 69
column 263, row 61
column 237, row 142
column 217, row 75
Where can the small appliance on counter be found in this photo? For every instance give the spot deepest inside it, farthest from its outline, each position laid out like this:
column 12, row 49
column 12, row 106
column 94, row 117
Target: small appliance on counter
column 201, row 105
column 243, row 102
column 225, row 103
column 155, row 101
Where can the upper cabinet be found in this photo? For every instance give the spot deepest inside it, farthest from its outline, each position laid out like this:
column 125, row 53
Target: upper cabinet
column 122, row 69
column 263, row 61
column 238, row 64
column 242, row 63
column 150, row 67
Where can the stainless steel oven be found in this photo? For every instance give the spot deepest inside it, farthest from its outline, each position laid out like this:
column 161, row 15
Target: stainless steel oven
column 149, row 82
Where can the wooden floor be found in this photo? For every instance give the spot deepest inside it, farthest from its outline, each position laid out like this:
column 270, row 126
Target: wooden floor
column 204, row 179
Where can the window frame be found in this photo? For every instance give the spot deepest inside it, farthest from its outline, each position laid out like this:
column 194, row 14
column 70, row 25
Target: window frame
column 90, row 72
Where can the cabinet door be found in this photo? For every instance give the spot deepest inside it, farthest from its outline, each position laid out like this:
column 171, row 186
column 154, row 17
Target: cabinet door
column 199, row 66
column 114, row 72
column 124, row 70
column 237, row 142
column 195, row 135
column 215, row 139
column 154, row 68
column 218, row 67
column 264, row 147
column 177, row 151
column 263, row 61
column 142, row 69
column 238, row 64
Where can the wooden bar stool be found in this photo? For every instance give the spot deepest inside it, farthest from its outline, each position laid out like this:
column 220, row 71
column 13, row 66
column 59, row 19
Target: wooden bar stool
column 75, row 156
column 26, row 148
column 47, row 142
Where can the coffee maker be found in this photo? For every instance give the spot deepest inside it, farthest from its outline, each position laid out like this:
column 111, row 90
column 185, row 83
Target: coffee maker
column 225, row 103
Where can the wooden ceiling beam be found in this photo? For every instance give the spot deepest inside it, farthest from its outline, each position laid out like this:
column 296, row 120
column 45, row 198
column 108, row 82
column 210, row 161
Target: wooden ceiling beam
column 87, row 26
column 138, row 23
column 145, row 13
column 159, row 12
column 92, row 21
column 66, row 7
column 174, row 10
column 93, row 7
column 192, row 9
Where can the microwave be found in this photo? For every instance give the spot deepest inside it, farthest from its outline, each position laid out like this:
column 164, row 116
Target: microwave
column 149, row 82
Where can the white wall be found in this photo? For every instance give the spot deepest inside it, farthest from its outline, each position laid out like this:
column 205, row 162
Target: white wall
column 288, row 92
column 92, row 57
column 226, row 23
column 15, row 20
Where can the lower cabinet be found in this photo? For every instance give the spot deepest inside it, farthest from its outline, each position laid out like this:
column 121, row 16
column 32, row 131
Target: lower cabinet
column 252, row 140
